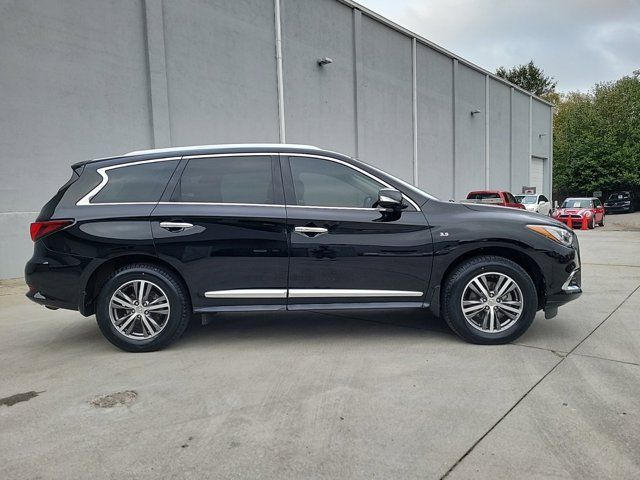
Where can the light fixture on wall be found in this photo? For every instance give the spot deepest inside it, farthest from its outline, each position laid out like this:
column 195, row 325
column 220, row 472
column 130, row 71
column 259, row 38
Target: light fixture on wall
column 324, row 61
column 473, row 112
column 540, row 135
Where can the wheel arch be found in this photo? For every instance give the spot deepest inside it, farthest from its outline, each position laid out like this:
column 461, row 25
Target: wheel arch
column 526, row 262
column 99, row 275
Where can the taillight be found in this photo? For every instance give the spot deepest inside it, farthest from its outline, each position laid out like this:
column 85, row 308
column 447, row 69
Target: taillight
column 40, row 229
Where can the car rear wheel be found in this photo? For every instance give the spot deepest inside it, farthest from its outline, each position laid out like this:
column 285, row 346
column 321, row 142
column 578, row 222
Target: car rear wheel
column 489, row 300
column 142, row 308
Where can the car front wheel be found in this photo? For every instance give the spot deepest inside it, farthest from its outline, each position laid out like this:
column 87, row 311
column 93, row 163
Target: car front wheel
column 142, row 308
column 489, row 300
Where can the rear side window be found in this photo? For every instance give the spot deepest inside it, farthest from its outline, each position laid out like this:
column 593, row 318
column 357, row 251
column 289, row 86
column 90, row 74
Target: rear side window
column 143, row 182
column 226, row 180
column 482, row 196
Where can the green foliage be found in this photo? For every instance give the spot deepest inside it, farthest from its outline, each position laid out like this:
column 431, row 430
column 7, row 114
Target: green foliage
column 531, row 78
column 596, row 139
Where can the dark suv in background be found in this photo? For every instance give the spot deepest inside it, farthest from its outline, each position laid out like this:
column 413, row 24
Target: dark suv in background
column 147, row 239
column 620, row 202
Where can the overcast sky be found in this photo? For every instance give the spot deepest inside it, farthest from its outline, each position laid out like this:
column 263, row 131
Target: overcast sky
column 579, row 42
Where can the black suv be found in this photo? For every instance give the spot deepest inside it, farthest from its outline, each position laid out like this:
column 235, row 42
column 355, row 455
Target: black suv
column 620, row 202
column 147, row 239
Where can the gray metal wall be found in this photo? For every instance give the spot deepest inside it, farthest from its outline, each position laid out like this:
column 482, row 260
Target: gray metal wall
column 82, row 79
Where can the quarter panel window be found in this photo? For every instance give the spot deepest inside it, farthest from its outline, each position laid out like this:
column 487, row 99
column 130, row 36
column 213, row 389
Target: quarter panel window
column 318, row 182
column 143, row 182
column 226, row 180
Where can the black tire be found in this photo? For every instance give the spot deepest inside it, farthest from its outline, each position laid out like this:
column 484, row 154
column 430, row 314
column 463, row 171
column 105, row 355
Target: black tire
column 601, row 222
column 592, row 223
column 454, row 287
column 177, row 296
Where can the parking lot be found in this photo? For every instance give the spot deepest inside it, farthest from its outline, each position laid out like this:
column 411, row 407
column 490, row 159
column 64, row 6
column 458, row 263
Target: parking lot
column 318, row 395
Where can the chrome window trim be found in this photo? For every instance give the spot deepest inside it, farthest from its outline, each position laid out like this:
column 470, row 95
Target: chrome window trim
column 86, row 200
column 346, row 164
column 219, row 204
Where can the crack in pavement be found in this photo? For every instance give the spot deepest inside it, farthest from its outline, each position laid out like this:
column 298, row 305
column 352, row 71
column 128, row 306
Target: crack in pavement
column 492, row 428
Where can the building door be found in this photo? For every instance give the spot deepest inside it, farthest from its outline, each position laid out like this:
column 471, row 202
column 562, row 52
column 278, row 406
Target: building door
column 537, row 174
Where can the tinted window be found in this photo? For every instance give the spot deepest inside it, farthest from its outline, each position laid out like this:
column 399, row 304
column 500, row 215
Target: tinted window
column 226, row 180
column 329, row 184
column 144, row 182
column 482, row 196
column 509, row 198
column 596, row 202
column 543, row 198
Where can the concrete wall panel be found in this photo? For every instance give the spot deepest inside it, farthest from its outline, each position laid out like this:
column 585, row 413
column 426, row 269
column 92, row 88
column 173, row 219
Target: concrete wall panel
column 221, row 71
column 520, row 159
column 319, row 100
column 387, row 116
column 435, row 122
column 73, row 86
column 499, row 136
column 469, row 132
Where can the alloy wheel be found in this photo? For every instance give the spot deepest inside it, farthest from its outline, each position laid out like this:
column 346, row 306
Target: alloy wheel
column 492, row 302
column 139, row 309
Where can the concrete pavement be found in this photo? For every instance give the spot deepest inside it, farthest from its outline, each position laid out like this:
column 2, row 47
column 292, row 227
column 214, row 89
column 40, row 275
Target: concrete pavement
column 363, row 395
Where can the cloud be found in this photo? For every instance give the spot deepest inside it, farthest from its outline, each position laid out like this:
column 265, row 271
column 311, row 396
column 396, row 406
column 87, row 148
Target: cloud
column 579, row 42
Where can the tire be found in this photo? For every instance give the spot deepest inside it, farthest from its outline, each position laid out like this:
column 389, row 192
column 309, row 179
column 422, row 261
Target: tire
column 457, row 284
column 169, row 308
column 592, row 223
column 601, row 222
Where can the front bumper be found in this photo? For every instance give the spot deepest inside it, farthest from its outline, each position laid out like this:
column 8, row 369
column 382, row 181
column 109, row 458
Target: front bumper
column 617, row 208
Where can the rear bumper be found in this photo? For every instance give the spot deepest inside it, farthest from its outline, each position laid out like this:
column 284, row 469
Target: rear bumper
column 54, row 279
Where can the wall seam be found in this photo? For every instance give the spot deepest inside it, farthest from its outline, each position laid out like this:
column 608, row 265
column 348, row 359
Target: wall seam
column 157, row 72
column 453, row 106
column 511, row 184
column 486, row 132
column 279, row 80
column 358, row 74
column 414, row 104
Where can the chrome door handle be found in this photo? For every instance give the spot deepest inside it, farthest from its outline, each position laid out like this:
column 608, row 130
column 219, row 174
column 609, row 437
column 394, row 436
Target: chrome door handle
column 176, row 226
column 310, row 231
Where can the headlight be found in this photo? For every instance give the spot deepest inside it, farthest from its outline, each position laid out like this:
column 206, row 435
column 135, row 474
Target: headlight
column 557, row 234
column 588, row 213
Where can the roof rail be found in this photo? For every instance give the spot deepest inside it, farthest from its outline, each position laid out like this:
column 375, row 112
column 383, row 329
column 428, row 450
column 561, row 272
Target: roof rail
column 219, row 146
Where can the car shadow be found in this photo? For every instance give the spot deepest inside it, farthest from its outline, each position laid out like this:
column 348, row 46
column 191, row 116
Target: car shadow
column 326, row 325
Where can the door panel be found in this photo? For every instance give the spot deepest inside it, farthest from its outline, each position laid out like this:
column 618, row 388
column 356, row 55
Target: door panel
column 366, row 256
column 229, row 249
column 222, row 225
column 347, row 253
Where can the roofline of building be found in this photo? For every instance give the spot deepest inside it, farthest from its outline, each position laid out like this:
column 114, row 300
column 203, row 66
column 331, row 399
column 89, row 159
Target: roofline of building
column 438, row 48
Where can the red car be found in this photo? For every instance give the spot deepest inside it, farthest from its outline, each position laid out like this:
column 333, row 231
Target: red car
column 493, row 197
column 580, row 208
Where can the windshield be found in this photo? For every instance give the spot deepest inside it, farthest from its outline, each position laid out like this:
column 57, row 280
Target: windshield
column 619, row 196
column 577, row 203
column 529, row 199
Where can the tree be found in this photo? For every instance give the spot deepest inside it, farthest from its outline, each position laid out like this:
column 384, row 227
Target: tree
column 529, row 77
column 596, row 139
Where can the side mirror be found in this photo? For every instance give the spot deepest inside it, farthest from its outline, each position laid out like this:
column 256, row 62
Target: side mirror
column 391, row 198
